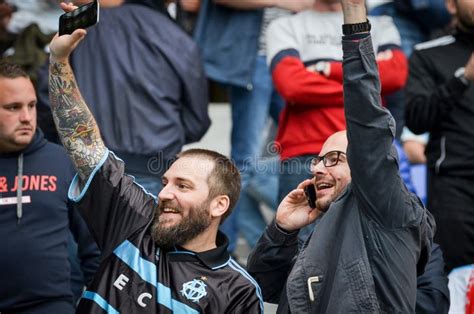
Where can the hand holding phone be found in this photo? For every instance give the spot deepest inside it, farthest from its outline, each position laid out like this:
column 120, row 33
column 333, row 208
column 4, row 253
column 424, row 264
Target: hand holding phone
column 310, row 193
column 84, row 16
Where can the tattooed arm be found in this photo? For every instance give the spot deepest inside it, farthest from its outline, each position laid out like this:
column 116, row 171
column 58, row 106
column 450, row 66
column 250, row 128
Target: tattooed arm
column 76, row 126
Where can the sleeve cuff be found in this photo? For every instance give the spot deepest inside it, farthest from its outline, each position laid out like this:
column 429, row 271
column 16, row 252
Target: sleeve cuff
column 279, row 235
column 75, row 193
column 356, row 37
column 456, row 87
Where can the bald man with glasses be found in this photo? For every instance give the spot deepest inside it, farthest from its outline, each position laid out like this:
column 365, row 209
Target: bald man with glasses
column 372, row 237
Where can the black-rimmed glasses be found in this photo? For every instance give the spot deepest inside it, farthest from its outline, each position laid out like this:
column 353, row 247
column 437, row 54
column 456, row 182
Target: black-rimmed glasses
column 330, row 159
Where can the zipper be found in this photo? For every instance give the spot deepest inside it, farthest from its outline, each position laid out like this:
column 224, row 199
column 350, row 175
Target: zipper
column 310, row 288
column 442, row 157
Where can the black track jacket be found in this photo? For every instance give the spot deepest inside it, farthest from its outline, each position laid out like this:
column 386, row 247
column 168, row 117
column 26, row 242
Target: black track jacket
column 136, row 276
column 439, row 103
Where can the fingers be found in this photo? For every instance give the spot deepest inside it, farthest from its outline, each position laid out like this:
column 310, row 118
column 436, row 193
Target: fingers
column 62, row 46
column 77, row 36
column 68, row 7
column 296, row 194
column 305, row 183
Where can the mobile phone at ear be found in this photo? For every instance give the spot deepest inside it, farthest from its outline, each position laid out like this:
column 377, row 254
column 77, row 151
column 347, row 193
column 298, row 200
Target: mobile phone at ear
column 84, row 16
column 310, row 193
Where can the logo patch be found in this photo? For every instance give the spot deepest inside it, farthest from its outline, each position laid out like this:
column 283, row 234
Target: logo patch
column 194, row 290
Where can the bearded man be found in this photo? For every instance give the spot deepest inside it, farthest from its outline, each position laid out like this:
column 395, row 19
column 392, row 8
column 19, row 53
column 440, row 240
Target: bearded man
column 163, row 255
column 440, row 100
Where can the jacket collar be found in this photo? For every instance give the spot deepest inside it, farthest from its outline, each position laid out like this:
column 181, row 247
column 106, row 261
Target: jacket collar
column 464, row 36
column 213, row 259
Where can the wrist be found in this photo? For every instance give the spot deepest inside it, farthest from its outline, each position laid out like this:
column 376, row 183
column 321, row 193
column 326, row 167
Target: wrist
column 324, row 68
column 321, row 67
column 354, row 13
column 55, row 59
column 283, row 227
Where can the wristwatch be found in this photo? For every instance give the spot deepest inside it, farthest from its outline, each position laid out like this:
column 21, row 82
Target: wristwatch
column 349, row 29
column 459, row 74
column 323, row 68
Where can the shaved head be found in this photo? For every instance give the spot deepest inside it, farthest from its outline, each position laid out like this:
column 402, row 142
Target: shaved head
column 337, row 141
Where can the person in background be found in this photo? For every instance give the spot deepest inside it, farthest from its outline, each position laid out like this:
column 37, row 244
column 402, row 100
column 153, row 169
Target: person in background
column 36, row 217
column 157, row 100
column 439, row 98
column 231, row 35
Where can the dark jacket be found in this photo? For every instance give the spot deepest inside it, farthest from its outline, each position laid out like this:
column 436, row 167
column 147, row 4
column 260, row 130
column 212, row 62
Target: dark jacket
column 439, row 103
column 34, row 267
column 363, row 253
column 432, row 293
column 137, row 276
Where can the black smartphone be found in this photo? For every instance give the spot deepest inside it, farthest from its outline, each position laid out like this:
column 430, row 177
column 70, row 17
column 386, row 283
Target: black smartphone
column 84, row 16
column 310, row 192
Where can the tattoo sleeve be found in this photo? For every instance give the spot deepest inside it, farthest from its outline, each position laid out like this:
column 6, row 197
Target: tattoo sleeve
column 76, row 126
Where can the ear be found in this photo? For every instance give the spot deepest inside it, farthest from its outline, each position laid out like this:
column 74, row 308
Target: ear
column 451, row 7
column 219, row 206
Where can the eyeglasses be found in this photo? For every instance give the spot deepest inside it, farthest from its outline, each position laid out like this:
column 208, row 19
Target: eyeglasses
column 330, row 159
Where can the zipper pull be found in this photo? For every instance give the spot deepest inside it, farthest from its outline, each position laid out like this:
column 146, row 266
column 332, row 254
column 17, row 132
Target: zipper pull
column 310, row 288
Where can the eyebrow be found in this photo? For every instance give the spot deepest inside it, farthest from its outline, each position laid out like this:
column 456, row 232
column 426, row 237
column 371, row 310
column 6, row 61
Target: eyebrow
column 18, row 103
column 10, row 104
column 179, row 179
column 184, row 180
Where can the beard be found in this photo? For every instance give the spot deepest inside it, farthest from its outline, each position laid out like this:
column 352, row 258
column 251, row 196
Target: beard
column 466, row 24
column 465, row 18
column 324, row 204
column 187, row 229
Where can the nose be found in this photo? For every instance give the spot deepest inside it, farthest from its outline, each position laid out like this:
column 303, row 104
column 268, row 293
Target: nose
column 166, row 193
column 26, row 114
column 319, row 168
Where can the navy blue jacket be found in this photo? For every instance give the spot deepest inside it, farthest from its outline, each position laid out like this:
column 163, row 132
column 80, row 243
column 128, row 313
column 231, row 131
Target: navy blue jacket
column 34, row 267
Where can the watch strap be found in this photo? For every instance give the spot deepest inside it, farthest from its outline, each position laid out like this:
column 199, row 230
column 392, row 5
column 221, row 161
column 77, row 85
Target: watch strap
column 349, row 29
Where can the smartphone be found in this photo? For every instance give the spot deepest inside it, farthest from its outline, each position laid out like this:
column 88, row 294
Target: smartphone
column 310, row 192
column 84, row 16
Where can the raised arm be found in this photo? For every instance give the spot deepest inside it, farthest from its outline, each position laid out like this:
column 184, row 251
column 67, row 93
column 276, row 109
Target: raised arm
column 370, row 131
column 76, row 125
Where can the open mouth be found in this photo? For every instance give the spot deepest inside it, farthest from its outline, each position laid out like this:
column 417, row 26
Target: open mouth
column 168, row 210
column 323, row 186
